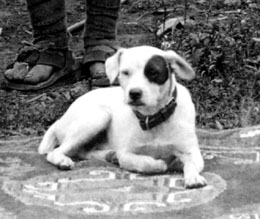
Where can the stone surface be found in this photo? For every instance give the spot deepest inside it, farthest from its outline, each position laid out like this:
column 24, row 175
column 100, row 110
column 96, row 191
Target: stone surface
column 33, row 188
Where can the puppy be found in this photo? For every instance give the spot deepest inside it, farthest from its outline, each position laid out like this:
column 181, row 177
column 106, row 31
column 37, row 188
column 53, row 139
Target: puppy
column 147, row 118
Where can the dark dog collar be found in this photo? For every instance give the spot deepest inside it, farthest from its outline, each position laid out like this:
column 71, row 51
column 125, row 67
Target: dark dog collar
column 149, row 122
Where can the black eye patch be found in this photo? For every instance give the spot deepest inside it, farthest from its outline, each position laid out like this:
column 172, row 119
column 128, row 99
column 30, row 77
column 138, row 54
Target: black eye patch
column 156, row 70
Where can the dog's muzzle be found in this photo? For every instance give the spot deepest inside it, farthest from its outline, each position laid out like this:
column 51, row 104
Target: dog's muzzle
column 135, row 96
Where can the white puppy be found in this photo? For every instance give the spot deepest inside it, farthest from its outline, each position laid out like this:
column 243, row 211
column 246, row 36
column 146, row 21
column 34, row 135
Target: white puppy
column 149, row 117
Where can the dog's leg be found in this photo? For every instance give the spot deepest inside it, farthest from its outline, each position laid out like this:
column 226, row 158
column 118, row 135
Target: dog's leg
column 193, row 165
column 60, row 159
column 140, row 163
column 79, row 132
column 49, row 141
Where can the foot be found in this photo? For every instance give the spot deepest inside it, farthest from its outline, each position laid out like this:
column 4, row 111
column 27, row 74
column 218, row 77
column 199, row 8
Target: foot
column 98, row 74
column 97, row 70
column 35, row 69
column 21, row 73
column 38, row 74
column 94, row 62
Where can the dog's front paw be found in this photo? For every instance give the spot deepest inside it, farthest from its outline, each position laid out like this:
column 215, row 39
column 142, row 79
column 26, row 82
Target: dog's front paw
column 63, row 162
column 195, row 181
column 66, row 164
column 160, row 166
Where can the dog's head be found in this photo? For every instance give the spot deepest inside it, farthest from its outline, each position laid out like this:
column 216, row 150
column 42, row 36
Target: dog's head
column 146, row 75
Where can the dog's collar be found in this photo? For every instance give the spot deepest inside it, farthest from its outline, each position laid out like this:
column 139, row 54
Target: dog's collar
column 149, row 122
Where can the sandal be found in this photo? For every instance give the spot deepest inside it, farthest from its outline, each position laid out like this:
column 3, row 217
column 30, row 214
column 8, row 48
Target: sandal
column 30, row 56
column 93, row 63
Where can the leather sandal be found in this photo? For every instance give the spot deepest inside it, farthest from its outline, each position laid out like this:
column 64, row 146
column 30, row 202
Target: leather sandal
column 93, row 63
column 30, row 56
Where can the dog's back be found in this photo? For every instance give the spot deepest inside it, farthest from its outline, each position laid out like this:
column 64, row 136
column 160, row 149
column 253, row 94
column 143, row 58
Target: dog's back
column 83, row 107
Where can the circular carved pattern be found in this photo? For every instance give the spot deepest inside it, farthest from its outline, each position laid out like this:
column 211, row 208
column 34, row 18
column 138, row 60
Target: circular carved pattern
column 111, row 191
column 13, row 167
column 244, row 212
column 6, row 215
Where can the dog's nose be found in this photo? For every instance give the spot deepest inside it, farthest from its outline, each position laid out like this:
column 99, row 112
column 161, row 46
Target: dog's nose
column 135, row 93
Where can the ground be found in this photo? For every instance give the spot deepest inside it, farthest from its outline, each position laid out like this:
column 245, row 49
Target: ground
column 220, row 39
column 32, row 188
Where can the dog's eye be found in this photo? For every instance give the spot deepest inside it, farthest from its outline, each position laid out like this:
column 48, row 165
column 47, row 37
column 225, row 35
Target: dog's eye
column 156, row 70
column 153, row 73
column 125, row 73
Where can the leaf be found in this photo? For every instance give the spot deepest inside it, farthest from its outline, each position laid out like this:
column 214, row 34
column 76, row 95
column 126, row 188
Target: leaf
column 217, row 80
column 173, row 23
column 67, row 95
column 232, row 2
column 170, row 24
column 218, row 125
column 22, row 2
column 196, row 55
column 256, row 39
column 195, row 8
column 194, row 37
column 201, row 1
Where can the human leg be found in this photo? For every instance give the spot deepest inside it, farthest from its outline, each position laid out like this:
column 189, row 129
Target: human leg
column 48, row 59
column 100, row 34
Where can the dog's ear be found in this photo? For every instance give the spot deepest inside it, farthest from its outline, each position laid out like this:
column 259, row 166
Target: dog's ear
column 112, row 65
column 179, row 65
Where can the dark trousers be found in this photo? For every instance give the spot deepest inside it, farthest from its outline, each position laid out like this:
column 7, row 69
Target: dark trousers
column 48, row 19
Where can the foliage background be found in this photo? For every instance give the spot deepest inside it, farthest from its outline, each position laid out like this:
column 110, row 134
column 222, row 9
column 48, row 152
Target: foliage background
column 220, row 38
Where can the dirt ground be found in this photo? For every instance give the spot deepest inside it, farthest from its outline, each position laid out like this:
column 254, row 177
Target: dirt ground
column 220, row 38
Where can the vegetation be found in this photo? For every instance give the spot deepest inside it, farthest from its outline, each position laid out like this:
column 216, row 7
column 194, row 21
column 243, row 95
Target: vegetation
column 221, row 38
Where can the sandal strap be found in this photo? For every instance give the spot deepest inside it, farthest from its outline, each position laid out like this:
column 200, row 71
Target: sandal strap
column 28, row 54
column 34, row 56
column 98, row 53
column 53, row 58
